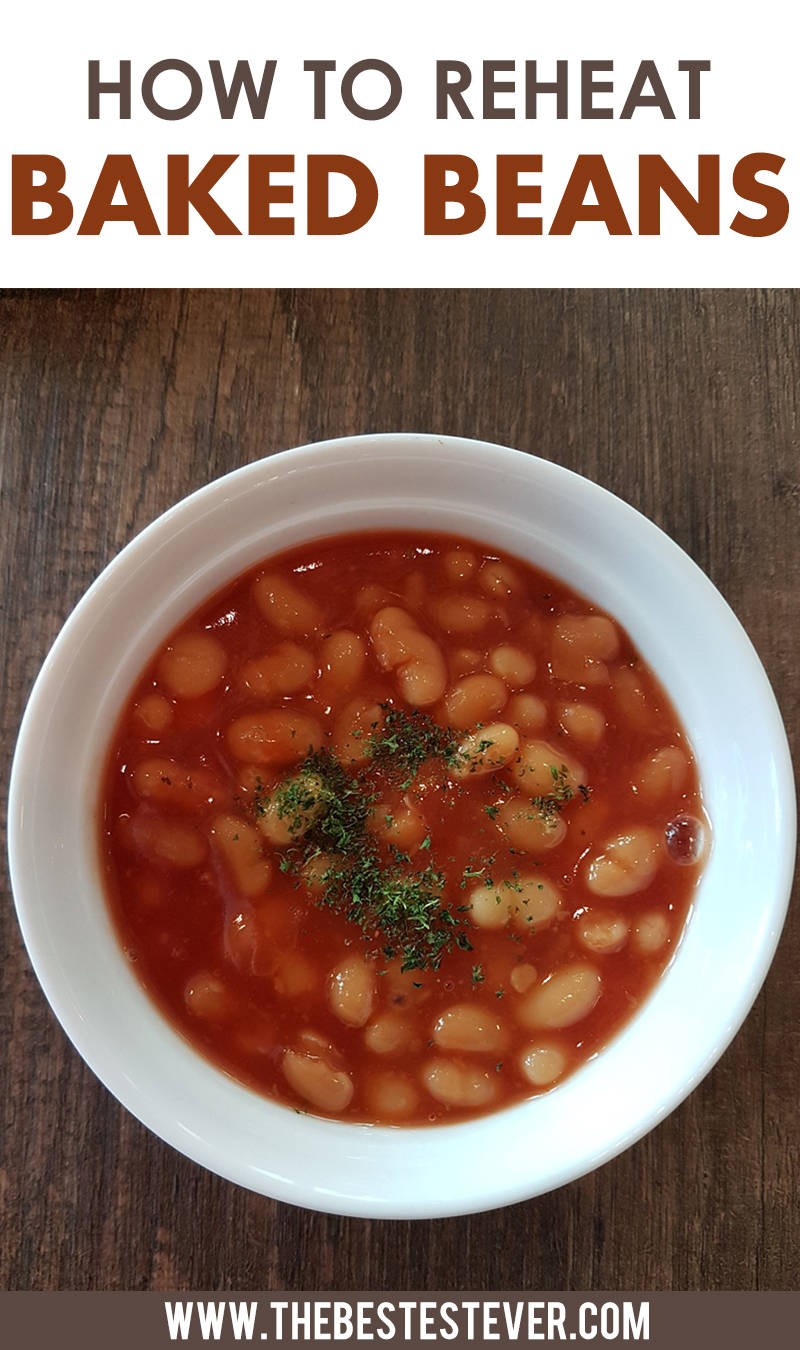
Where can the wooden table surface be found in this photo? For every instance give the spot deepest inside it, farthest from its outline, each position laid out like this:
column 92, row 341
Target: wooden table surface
column 115, row 405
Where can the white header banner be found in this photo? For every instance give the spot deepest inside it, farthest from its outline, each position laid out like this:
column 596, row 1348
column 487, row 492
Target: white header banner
column 427, row 143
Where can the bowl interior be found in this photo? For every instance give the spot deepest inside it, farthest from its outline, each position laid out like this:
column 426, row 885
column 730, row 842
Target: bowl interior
column 539, row 512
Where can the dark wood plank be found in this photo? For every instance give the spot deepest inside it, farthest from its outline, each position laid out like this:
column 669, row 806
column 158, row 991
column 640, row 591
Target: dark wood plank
column 114, row 405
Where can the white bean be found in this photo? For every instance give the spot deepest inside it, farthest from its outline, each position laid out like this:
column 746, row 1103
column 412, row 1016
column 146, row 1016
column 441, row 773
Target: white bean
column 542, row 1063
column 536, row 903
column 527, row 828
column 464, row 661
column 342, row 657
column 283, row 670
column 315, row 870
column 315, row 1043
column 512, row 665
column 417, row 660
column 461, row 613
column 651, row 932
column 526, row 712
column 316, row 1081
column 561, row 999
column 285, row 605
column 351, row 991
column 393, row 631
column 277, row 736
column 255, row 937
column 497, row 578
column 174, row 842
column 401, row 825
column 581, row 647
column 661, row 775
column 458, row 564
column 386, row 1033
column 371, row 598
column 391, row 1094
column 603, row 932
column 475, row 698
column 627, row 864
column 459, row 1085
column 192, row 665
column 155, row 713
column 530, row 903
column 293, row 975
column 486, row 751
column 353, row 729
column 240, row 846
column 404, row 988
column 631, row 697
column 542, row 770
column 289, row 812
column 206, row 997
column 523, row 978
column 162, row 780
column 583, row 722
column 423, row 679
column 242, row 939
column 489, row 906
column 467, row 1026
column 415, row 590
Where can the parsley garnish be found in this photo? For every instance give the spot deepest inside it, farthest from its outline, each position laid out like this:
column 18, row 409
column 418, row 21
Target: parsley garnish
column 402, row 910
column 551, row 803
column 408, row 739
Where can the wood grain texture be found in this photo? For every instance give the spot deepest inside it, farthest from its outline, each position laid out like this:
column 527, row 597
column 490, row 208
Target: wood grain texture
column 115, row 405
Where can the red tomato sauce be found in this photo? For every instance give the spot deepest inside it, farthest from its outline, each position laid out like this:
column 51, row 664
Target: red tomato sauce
column 566, row 864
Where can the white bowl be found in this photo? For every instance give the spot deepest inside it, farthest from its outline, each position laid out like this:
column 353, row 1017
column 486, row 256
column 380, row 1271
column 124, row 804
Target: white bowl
column 566, row 525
